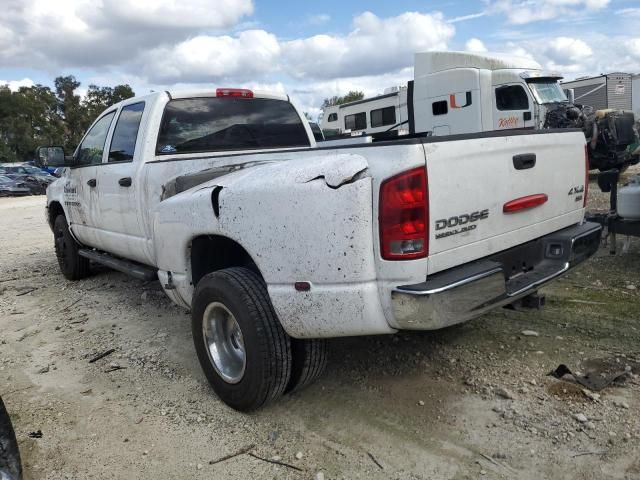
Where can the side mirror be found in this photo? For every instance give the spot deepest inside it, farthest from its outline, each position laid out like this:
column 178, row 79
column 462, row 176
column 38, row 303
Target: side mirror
column 571, row 95
column 53, row 157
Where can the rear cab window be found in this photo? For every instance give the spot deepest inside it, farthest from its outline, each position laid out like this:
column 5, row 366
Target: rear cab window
column 209, row 124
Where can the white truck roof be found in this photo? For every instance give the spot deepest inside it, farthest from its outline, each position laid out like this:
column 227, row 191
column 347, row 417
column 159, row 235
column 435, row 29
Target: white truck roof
column 211, row 92
column 431, row 62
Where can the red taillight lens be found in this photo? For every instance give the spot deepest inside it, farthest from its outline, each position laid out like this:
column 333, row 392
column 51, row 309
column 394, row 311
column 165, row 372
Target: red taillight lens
column 404, row 216
column 586, row 175
column 234, row 92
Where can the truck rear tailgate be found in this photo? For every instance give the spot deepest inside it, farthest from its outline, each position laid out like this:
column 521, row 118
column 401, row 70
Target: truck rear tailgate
column 473, row 184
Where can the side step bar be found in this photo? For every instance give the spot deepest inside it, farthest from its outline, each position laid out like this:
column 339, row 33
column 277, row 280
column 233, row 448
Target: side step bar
column 136, row 270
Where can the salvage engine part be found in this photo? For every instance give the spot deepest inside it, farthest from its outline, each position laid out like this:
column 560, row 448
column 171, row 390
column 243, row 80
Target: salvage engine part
column 612, row 138
column 594, row 380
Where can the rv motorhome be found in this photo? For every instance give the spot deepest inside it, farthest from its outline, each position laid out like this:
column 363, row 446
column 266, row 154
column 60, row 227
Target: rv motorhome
column 371, row 115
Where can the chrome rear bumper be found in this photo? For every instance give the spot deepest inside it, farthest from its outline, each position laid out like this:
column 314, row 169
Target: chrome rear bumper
column 468, row 291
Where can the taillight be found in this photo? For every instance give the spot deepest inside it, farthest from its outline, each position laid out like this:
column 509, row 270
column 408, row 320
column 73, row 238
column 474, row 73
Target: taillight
column 234, row 92
column 586, row 175
column 404, row 216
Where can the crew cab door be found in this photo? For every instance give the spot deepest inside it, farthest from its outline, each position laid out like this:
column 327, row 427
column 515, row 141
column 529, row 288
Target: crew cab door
column 512, row 107
column 80, row 189
column 120, row 226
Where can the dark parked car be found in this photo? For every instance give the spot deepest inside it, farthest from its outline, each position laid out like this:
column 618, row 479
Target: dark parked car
column 34, row 178
column 11, row 187
column 35, row 185
column 25, row 169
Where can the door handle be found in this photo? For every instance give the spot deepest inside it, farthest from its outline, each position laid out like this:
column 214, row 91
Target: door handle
column 524, row 161
column 92, row 182
column 125, row 182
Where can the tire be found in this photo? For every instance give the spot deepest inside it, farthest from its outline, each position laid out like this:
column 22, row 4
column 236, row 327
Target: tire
column 9, row 454
column 309, row 362
column 72, row 265
column 252, row 368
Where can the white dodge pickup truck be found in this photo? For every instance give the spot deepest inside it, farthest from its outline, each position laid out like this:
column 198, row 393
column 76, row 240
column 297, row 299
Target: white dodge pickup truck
column 276, row 243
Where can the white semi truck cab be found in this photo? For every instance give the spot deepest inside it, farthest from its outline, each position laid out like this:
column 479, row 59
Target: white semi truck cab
column 461, row 92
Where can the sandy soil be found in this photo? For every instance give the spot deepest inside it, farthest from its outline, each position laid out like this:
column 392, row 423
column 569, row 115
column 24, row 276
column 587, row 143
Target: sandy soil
column 410, row 406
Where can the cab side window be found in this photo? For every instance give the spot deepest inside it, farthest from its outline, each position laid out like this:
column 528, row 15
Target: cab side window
column 333, row 117
column 511, row 97
column 92, row 147
column 123, row 142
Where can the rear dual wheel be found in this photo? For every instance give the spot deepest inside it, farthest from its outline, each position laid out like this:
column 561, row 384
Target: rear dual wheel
column 246, row 355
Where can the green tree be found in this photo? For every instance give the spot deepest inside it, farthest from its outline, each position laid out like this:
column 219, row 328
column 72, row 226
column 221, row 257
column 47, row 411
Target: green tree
column 8, row 112
column 352, row 96
column 38, row 115
column 28, row 118
column 99, row 98
column 70, row 110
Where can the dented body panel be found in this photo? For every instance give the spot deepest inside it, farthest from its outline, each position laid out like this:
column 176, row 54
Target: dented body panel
column 311, row 215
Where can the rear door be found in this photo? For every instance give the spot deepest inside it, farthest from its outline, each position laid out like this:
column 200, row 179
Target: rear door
column 472, row 182
column 121, row 227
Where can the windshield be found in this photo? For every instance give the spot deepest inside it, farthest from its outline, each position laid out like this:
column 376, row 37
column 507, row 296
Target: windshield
column 4, row 179
column 547, row 91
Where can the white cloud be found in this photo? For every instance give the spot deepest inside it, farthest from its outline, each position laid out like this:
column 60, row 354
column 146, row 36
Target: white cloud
column 526, row 11
column 475, row 45
column 374, row 45
column 52, row 34
column 567, row 54
column 573, row 57
column 211, row 58
column 14, row 85
column 178, row 14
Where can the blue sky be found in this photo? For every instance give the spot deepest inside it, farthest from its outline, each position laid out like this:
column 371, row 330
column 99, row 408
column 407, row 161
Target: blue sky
column 311, row 50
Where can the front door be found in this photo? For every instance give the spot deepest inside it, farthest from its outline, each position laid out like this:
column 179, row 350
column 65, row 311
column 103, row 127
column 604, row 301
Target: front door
column 512, row 107
column 80, row 189
column 121, row 224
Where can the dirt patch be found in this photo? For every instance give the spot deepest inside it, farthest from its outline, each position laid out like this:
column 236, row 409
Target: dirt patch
column 566, row 390
column 472, row 401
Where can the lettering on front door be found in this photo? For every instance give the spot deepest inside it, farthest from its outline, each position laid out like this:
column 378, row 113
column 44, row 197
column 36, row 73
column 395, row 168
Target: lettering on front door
column 508, row 122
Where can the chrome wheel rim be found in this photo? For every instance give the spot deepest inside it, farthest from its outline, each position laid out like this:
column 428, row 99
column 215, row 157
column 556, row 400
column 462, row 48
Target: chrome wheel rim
column 224, row 342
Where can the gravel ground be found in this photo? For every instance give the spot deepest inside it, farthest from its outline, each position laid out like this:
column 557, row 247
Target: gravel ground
column 472, row 401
